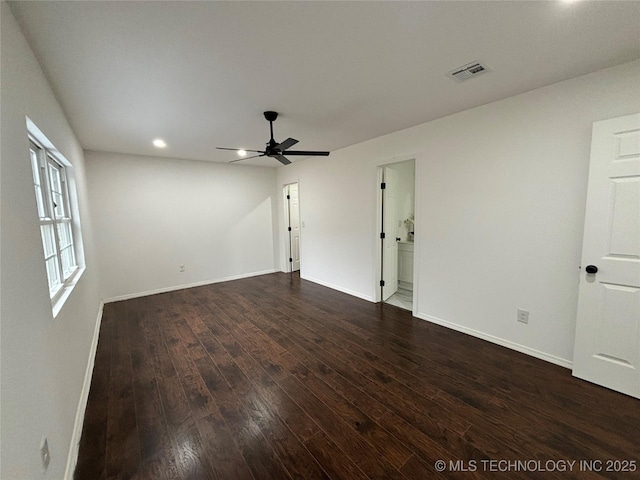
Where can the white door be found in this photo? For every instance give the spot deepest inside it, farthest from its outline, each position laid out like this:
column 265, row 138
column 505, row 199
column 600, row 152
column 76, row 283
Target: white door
column 294, row 208
column 389, row 227
column 607, row 346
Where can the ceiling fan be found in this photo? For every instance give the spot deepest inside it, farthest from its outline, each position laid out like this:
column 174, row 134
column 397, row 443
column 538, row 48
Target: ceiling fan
column 274, row 149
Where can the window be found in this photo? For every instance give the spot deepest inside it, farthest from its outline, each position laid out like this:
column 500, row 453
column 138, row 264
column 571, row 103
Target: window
column 50, row 180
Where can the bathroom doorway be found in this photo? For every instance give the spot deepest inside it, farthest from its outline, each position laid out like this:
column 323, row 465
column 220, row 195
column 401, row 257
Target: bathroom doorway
column 397, row 220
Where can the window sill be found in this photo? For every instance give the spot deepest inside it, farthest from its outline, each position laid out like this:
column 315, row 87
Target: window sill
column 61, row 296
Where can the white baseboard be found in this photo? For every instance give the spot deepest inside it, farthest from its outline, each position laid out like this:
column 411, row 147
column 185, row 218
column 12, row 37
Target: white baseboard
column 340, row 289
column 129, row 296
column 72, row 456
column 563, row 362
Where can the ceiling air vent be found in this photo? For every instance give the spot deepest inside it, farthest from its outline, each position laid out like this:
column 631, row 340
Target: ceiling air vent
column 468, row 71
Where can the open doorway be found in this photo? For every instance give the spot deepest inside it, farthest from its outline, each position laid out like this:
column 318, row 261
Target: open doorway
column 397, row 213
column 292, row 224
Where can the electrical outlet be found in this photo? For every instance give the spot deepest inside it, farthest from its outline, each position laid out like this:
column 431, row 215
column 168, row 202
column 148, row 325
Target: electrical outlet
column 523, row 316
column 45, row 456
column 181, row 268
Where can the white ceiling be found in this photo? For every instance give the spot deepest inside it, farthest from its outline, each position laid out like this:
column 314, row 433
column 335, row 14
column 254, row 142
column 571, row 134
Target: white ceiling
column 200, row 74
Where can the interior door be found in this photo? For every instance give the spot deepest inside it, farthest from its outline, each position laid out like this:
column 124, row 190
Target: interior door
column 294, row 206
column 607, row 345
column 389, row 227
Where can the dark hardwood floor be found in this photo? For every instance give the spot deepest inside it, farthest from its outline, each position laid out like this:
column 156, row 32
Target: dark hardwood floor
column 273, row 377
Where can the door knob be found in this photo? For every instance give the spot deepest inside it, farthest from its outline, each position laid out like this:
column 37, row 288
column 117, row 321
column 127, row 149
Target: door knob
column 591, row 269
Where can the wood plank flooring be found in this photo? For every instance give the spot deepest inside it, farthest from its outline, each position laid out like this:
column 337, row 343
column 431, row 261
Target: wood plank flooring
column 274, row 377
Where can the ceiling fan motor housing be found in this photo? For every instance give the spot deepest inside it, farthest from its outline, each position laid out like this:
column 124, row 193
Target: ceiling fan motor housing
column 271, row 116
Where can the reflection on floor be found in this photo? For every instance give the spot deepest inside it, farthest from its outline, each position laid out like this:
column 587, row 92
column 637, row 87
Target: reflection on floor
column 403, row 298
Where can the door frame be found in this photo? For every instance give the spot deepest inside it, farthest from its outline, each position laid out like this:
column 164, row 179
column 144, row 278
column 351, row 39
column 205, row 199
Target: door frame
column 287, row 236
column 377, row 259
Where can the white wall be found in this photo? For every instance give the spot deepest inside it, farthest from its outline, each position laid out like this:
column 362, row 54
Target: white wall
column 500, row 195
column 43, row 360
column 156, row 214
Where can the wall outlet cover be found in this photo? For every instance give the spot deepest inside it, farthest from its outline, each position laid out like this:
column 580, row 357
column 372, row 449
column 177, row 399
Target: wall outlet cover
column 523, row 316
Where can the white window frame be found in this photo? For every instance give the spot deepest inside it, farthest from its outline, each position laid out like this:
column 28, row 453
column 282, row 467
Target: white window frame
column 62, row 246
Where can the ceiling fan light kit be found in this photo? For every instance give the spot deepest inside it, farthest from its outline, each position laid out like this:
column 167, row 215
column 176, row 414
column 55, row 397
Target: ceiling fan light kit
column 274, row 149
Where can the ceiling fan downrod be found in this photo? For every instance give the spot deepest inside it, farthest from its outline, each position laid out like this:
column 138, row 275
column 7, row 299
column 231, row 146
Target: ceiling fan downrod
column 271, row 117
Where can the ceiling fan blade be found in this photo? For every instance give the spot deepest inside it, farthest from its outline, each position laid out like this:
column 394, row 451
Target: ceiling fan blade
column 289, row 142
column 246, row 158
column 307, row 153
column 282, row 159
column 236, row 149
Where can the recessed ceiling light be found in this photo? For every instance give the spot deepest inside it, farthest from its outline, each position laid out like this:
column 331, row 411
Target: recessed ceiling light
column 159, row 143
column 242, row 153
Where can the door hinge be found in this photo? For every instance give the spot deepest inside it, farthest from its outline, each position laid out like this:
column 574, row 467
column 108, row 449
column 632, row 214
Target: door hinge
column 381, row 234
column 383, row 186
column 289, row 229
column 290, row 259
column 288, row 197
column 382, row 283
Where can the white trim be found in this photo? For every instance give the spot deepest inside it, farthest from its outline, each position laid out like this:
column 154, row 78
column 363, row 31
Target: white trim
column 72, row 456
column 563, row 362
column 129, row 296
column 59, row 299
column 499, row 341
column 286, row 236
column 353, row 293
column 417, row 231
column 377, row 259
column 48, row 156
